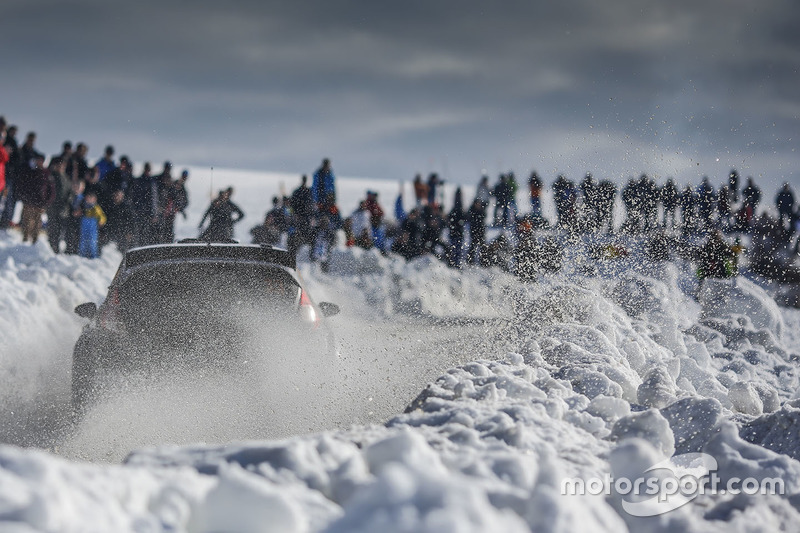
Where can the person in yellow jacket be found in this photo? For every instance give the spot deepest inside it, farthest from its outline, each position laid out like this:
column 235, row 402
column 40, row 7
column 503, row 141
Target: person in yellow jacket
column 92, row 220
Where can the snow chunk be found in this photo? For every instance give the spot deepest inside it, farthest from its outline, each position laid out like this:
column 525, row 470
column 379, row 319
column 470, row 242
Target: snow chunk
column 693, row 422
column 739, row 459
column 648, row 425
column 243, row 502
column 723, row 298
column 745, row 398
column 658, row 388
column 779, row 431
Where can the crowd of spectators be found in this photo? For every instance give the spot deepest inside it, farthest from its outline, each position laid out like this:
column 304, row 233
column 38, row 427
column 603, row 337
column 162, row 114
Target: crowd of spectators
column 666, row 216
column 87, row 205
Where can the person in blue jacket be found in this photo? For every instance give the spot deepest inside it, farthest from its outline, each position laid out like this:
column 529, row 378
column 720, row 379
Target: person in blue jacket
column 323, row 186
column 93, row 218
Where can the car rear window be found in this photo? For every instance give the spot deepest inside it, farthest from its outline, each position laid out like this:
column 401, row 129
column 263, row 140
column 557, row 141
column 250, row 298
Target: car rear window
column 186, row 287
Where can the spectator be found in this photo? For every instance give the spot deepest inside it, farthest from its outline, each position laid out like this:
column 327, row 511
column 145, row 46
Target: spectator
column 784, row 202
column 302, row 206
column 483, row 194
column 420, row 190
column 724, row 208
column 751, row 195
column 376, row 220
column 706, row 199
column 535, row 191
column 78, row 167
column 72, row 231
column 92, row 219
column 65, row 155
column 456, row 221
column 105, row 165
column 590, row 217
column 270, row 232
column 323, row 185
column 3, row 155
column 120, row 222
column 59, row 211
column 180, row 195
column 717, row 259
column 163, row 221
column 328, row 222
column 433, row 187
column 688, row 203
column 733, row 185
column 565, row 197
column 36, row 192
column 476, row 217
column 669, row 202
column 606, row 193
column 361, row 227
column 141, row 195
column 118, row 178
column 502, row 192
column 12, row 171
column 223, row 214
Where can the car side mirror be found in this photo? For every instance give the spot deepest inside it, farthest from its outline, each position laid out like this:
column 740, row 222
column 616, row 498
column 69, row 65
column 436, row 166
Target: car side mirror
column 87, row 310
column 328, row 309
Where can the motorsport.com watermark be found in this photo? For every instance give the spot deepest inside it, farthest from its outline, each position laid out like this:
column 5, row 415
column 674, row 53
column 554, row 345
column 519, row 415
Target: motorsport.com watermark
column 671, row 484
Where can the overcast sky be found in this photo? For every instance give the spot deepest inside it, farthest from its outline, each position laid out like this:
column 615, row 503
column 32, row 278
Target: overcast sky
column 387, row 89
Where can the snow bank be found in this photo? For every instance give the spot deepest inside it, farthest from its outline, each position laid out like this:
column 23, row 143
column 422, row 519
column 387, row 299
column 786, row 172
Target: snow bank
column 599, row 372
column 38, row 327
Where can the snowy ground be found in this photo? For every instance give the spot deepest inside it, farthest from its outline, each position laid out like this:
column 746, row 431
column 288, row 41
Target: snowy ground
column 518, row 387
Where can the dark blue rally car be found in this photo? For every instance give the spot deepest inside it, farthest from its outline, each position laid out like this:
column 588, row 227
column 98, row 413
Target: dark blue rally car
column 194, row 304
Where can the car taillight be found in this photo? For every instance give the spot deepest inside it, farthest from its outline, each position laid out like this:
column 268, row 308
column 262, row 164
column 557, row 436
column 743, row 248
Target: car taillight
column 307, row 310
column 109, row 314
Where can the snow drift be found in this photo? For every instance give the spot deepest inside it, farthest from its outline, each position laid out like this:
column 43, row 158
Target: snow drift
column 604, row 372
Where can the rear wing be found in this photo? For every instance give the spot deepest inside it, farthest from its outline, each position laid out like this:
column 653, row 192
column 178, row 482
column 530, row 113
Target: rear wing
column 203, row 250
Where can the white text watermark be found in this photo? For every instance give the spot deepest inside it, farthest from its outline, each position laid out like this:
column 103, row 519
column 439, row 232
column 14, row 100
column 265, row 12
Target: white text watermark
column 670, row 484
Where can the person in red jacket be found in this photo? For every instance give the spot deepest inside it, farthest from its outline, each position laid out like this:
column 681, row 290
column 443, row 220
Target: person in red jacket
column 3, row 155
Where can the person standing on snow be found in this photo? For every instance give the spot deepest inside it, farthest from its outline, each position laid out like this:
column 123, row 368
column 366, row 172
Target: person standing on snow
column 420, row 190
column 4, row 157
column 535, row 192
column 36, row 191
column 180, row 197
column 302, row 226
column 376, row 220
column 140, row 196
column 323, row 186
column 669, row 197
column 456, row 221
column 59, row 210
column 223, row 214
column 106, row 163
column 784, row 202
column 92, row 219
column 717, row 259
column 476, row 217
column 706, row 200
column 483, row 193
column 163, row 220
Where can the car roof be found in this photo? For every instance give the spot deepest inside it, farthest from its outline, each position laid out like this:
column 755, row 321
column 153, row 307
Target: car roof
column 197, row 250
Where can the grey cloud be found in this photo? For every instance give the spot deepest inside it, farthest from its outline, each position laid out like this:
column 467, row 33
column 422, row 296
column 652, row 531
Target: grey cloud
column 397, row 85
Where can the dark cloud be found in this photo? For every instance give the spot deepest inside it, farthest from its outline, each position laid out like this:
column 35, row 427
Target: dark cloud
column 386, row 90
